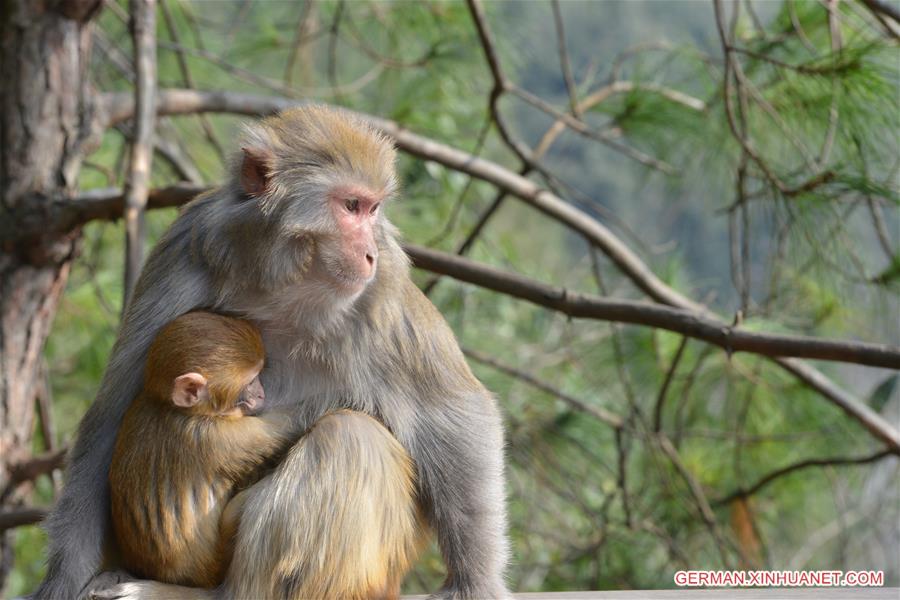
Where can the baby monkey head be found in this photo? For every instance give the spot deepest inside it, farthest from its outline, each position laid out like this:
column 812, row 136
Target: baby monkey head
column 207, row 364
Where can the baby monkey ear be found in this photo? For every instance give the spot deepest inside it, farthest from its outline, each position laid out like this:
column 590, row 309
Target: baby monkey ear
column 189, row 389
column 256, row 170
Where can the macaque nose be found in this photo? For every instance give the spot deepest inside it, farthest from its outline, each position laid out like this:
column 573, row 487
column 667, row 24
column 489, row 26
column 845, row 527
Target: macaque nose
column 364, row 258
column 371, row 255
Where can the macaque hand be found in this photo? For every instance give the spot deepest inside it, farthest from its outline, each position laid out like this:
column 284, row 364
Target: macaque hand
column 102, row 584
column 119, row 585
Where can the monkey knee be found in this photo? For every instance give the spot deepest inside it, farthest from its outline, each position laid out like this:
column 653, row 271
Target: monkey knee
column 357, row 443
column 338, row 519
column 348, row 424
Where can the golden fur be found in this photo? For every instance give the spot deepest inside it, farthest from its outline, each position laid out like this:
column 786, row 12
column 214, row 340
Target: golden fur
column 174, row 470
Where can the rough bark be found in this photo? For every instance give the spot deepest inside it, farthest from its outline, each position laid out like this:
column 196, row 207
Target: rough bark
column 45, row 122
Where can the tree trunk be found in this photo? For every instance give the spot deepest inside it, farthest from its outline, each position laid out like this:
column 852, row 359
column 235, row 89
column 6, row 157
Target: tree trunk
column 45, row 122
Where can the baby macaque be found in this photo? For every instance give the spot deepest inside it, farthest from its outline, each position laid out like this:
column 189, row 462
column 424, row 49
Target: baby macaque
column 189, row 443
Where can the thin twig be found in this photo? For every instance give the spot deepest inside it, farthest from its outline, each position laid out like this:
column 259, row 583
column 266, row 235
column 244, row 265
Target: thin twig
column 584, row 130
column 839, row 461
column 48, row 424
column 880, row 228
column 883, row 8
column 301, row 39
column 188, row 79
column 334, row 31
column 622, row 475
column 705, row 510
column 503, row 85
column 598, row 412
column 670, row 375
column 358, row 41
column 564, row 62
column 834, row 29
column 274, row 85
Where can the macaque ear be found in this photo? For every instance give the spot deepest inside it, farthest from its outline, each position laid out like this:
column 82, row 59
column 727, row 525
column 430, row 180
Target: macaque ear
column 256, row 169
column 189, row 389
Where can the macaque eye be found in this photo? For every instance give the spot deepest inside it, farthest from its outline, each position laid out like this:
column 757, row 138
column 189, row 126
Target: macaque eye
column 374, row 209
column 352, row 205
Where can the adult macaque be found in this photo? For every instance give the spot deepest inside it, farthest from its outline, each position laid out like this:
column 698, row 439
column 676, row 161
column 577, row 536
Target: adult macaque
column 298, row 244
column 191, row 440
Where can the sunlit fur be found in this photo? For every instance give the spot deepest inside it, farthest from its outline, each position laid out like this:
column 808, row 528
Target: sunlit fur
column 173, row 469
column 384, row 351
column 354, row 532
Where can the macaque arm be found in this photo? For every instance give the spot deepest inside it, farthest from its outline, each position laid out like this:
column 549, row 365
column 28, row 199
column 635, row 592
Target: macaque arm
column 231, row 517
column 79, row 524
column 459, row 454
column 282, row 423
column 457, row 445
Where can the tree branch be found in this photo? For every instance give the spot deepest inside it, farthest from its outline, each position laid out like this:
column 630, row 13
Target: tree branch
column 701, row 327
column 21, row 516
column 36, row 466
column 839, row 461
column 883, row 8
column 119, row 107
column 143, row 34
column 107, row 204
column 600, row 413
column 502, row 85
column 103, row 204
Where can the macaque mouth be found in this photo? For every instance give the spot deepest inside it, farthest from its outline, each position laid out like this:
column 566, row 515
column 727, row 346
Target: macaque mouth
column 252, row 398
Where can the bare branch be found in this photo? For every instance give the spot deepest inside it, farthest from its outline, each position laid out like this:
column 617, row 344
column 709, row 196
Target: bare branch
column 21, row 516
column 839, row 461
column 564, row 62
column 584, row 130
column 670, row 375
column 104, row 204
column 137, row 186
column 36, row 466
column 883, row 8
column 502, row 85
column 208, row 130
column 698, row 326
column 705, row 510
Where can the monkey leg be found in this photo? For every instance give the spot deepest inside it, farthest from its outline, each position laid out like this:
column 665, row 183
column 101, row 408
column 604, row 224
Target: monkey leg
column 338, row 519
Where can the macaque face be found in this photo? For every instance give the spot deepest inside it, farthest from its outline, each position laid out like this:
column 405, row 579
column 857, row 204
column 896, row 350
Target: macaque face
column 252, row 397
column 356, row 212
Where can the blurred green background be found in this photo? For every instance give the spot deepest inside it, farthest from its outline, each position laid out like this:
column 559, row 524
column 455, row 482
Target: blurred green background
column 591, row 507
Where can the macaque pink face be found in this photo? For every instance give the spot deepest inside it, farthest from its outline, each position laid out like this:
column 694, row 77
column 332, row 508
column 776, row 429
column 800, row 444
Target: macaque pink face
column 356, row 211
